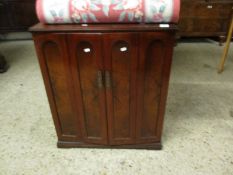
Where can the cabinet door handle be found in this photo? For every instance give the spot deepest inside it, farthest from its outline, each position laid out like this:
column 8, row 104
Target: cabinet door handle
column 100, row 79
column 107, row 79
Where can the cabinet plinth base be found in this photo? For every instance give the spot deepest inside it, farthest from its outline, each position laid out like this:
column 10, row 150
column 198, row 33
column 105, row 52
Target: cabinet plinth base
column 149, row 146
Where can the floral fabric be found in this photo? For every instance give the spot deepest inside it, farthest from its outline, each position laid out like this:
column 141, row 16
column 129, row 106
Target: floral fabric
column 108, row 11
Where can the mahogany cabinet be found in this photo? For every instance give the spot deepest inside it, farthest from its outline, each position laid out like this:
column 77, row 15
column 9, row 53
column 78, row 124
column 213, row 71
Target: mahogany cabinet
column 205, row 18
column 106, row 84
column 17, row 15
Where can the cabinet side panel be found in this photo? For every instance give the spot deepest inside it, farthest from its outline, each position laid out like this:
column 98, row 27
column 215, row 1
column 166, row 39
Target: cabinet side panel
column 54, row 65
column 154, row 57
column 58, row 82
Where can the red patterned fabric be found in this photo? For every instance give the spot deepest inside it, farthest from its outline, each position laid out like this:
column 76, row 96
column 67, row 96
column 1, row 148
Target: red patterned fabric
column 108, row 11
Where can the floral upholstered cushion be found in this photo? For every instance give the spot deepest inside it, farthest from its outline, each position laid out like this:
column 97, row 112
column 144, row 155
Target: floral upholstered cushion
column 108, row 11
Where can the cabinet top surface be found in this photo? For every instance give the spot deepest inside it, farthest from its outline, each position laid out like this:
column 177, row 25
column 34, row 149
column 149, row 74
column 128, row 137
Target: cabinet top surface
column 101, row 27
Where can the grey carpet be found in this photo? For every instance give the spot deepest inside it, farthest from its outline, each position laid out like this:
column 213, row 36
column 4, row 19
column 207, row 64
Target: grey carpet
column 198, row 128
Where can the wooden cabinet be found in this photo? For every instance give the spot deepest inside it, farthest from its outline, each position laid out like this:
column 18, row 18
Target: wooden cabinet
column 205, row 18
column 107, row 84
column 17, row 15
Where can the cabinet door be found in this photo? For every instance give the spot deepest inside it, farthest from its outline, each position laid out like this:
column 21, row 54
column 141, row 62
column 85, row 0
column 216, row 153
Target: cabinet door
column 120, row 81
column 54, row 62
column 87, row 60
column 154, row 68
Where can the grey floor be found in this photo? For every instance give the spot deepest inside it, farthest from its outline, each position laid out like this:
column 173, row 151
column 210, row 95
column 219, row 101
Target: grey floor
column 198, row 128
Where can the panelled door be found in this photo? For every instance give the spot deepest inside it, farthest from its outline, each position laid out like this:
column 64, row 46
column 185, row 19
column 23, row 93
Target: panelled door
column 154, row 69
column 87, row 69
column 120, row 64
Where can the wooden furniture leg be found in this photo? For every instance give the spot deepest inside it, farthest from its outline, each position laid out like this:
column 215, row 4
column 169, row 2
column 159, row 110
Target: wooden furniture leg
column 224, row 56
column 3, row 64
column 222, row 39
